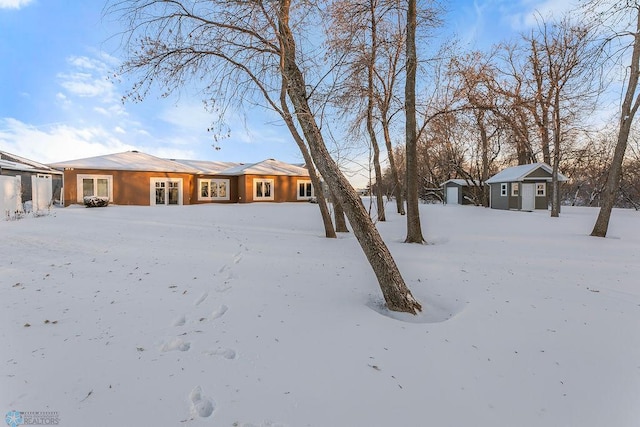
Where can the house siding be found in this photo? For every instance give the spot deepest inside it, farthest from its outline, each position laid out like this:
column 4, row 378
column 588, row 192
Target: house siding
column 498, row 201
column 129, row 187
column 284, row 188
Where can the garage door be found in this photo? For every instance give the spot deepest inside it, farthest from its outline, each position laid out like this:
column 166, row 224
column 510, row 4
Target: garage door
column 452, row 195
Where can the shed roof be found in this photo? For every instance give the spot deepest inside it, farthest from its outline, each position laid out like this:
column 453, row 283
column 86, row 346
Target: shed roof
column 267, row 167
column 127, row 161
column 522, row 172
column 462, row 182
column 17, row 163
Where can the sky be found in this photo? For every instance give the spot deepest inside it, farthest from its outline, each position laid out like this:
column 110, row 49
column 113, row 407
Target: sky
column 57, row 102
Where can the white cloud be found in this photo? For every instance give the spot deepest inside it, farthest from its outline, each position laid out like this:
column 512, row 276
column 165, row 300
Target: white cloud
column 57, row 142
column 526, row 13
column 14, row 4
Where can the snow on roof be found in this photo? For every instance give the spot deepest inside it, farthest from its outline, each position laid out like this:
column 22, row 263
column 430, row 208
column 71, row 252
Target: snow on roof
column 267, row 167
column 462, row 182
column 128, row 161
column 207, row 166
column 520, row 173
column 13, row 162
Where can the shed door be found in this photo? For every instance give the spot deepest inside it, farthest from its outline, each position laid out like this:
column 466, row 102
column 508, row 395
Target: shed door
column 452, row 195
column 528, row 197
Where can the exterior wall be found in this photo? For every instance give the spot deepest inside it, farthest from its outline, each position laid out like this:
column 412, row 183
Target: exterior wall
column 538, row 173
column 284, row 188
column 515, row 202
column 129, row 187
column 498, row 201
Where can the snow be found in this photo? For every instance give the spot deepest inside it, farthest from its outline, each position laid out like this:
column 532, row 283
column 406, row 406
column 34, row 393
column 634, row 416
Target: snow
column 245, row 315
column 519, row 173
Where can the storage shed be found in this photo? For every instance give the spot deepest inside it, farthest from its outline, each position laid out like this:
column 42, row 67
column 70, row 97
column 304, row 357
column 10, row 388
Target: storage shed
column 524, row 187
column 462, row 192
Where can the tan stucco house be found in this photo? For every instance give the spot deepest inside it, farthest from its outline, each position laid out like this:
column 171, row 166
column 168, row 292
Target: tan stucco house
column 135, row 178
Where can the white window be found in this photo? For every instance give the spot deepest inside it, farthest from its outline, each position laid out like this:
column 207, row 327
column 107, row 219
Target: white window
column 263, row 189
column 503, row 189
column 94, row 185
column 213, row 189
column 305, row 190
column 541, row 189
column 515, row 189
column 166, row 191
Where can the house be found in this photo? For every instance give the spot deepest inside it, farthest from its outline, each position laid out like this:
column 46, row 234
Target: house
column 462, row 192
column 36, row 185
column 135, row 178
column 524, row 187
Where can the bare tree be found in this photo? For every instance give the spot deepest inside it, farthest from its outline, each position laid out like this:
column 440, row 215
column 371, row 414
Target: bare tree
column 623, row 19
column 248, row 48
column 414, row 228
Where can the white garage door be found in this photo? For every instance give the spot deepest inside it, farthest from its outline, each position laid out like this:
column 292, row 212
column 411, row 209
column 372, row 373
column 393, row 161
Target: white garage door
column 452, row 195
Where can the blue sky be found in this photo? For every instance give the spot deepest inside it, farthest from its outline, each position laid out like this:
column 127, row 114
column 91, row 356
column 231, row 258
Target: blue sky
column 56, row 102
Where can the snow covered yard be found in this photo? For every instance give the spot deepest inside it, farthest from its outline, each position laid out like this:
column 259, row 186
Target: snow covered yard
column 245, row 315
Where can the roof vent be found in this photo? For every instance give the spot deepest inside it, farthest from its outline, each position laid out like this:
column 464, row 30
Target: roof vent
column 134, row 151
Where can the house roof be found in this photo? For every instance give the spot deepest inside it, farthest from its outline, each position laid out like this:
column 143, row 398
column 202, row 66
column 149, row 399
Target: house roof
column 462, row 182
column 13, row 162
column 522, row 172
column 267, row 167
column 127, row 161
column 208, row 167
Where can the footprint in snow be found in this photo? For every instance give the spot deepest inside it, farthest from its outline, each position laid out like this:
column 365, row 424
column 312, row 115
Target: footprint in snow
column 227, row 353
column 237, row 258
column 200, row 405
column 219, row 312
column 201, row 299
column 176, row 344
column 180, row 321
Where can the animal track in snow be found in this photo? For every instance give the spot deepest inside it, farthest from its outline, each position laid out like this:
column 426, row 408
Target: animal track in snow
column 237, row 258
column 176, row 344
column 219, row 312
column 227, row 353
column 200, row 405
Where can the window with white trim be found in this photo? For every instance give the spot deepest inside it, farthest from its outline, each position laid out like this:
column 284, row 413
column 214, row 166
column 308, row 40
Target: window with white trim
column 263, row 189
column 503, row 189
column 94, row 185
column 305, row 189
column 213, row 189
column 515, row 189
column 541, row 189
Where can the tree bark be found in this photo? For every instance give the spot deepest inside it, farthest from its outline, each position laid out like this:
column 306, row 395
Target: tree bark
column 414, row 228
column 628, row 111
column 396, row 294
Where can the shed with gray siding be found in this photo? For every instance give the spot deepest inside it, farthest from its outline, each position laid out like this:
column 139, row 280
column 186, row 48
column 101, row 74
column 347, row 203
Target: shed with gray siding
column 462, row 192
column 524, row 187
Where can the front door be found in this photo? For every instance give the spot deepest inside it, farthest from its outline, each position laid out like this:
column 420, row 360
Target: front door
column 528, row 197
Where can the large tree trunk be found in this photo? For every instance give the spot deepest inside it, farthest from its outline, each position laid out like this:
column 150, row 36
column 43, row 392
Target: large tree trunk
column 628, row 111
column 414, row 228
column 396, row 294
column 329, row 231
column 338, row 214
